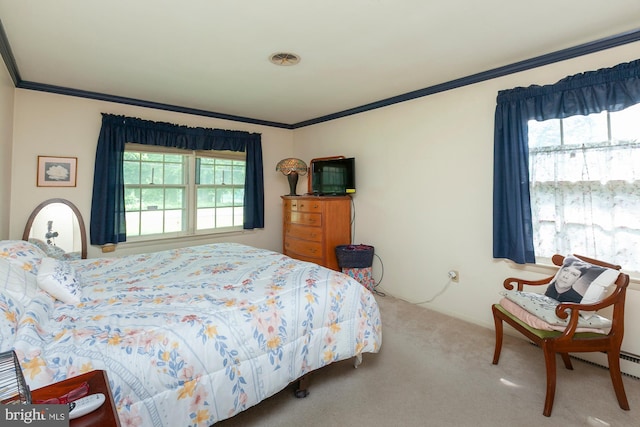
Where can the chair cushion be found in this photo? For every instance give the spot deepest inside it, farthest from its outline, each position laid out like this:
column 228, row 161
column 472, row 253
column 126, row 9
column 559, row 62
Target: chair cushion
column 541, row 333
column 544, row 308
column 537, row 323
column 581, row 282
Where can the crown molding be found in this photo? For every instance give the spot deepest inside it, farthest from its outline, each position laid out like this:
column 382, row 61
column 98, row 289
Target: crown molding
column 538, row 61
column 142, row 103
column 7, row 56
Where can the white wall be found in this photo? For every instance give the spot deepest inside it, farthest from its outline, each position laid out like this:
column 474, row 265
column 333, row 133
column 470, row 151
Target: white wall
column 55, row 125
column 424, row 190
column 6, row 136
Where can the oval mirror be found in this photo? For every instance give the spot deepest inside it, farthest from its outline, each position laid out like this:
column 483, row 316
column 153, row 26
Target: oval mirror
column 56, row 226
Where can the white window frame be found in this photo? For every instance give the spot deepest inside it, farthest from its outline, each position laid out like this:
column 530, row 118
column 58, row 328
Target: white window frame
column 190, row 191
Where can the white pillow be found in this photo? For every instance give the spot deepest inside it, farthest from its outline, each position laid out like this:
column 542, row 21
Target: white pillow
column 544, row 308
column 58, row 278
column 599, row 286
column 17, row 282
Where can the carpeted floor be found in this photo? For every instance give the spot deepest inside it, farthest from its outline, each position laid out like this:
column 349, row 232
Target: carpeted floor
column 434, row 370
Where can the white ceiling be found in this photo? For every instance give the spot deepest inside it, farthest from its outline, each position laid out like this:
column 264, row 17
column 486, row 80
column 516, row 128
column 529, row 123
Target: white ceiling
column 213, row 55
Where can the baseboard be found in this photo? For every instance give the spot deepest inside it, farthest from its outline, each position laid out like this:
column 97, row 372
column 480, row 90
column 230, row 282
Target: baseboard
column 629, row 365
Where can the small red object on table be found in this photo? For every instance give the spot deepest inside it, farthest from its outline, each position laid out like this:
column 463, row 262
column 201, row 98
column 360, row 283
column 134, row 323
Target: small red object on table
column 105, row 415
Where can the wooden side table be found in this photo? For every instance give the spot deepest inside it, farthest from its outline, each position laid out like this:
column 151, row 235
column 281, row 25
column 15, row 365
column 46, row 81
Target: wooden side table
column 105, row 415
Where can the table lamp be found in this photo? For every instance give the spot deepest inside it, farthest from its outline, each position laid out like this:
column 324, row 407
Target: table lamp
column 292, row 167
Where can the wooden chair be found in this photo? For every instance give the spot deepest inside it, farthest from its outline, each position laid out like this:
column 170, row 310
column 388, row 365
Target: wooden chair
column 569, row 341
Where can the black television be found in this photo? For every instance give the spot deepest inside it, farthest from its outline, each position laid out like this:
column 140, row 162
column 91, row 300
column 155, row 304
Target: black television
column 333, row 177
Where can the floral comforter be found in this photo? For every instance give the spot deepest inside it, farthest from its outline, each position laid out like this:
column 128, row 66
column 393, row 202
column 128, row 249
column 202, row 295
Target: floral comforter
column 192, row 336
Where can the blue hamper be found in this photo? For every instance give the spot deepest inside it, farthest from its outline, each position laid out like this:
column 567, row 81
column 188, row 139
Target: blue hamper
column 356, row 261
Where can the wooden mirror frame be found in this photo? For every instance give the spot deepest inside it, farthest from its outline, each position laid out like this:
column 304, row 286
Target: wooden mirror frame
column 36, row 211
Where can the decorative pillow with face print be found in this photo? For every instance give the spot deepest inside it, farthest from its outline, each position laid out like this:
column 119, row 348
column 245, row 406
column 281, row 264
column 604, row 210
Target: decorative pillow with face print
column 581, row 282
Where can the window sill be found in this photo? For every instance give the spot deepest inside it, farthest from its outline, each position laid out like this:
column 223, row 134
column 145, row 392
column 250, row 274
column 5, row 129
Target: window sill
column 179, row 241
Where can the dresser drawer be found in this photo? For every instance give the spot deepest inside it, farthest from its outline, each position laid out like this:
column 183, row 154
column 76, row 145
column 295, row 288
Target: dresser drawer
column 303, row 247
column 306, row 205
column 303, row 218
column 303, row 232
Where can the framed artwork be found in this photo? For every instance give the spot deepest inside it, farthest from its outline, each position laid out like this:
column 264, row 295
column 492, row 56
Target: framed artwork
column 57, row 171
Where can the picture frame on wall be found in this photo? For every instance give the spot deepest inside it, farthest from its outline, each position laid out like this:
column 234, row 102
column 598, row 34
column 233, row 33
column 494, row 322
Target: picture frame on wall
column 57, row 171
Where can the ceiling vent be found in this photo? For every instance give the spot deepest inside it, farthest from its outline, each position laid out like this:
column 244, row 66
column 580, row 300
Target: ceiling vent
column 284, row 58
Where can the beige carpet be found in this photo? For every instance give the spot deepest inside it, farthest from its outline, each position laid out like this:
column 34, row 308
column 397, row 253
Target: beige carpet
column 434, row 370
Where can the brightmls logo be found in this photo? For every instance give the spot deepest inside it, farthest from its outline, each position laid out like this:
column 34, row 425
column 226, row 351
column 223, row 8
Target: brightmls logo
column 27, row 416
column 35, row 415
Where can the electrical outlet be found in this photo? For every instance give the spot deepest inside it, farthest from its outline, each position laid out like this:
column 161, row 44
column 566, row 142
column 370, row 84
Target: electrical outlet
column 454, row 276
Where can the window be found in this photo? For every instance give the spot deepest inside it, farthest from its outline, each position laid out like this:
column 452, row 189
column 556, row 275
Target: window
column 585, row 186
column 171, row 192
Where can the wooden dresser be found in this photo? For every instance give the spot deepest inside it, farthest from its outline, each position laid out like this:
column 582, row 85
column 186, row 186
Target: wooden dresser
column 313, row 226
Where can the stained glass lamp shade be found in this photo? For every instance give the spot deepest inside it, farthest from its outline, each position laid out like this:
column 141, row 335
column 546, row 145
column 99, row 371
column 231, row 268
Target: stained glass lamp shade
column 292, row 168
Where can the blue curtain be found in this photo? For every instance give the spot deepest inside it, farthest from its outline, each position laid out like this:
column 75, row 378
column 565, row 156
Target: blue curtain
column 611, row 89
column 107, row 207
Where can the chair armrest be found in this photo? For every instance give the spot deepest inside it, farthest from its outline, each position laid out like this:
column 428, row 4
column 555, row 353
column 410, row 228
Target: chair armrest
column 565, row 308
column 572, row 310
column 514, row 282
column 616, row 299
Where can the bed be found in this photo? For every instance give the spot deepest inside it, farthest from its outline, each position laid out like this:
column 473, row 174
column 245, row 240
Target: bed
column 189, row 336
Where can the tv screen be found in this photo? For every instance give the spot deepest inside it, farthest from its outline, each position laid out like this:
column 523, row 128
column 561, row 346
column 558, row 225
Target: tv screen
column 333, row 177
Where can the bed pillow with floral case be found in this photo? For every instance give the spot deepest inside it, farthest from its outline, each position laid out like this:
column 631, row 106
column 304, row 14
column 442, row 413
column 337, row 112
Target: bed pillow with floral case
column 19, row 283
column 50, row 250
column 58, row 279
column 23, row 254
